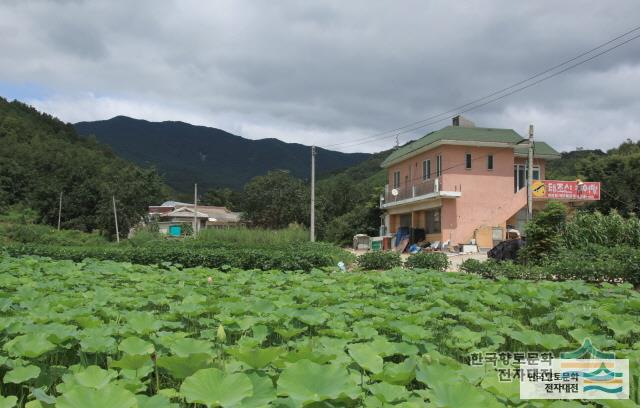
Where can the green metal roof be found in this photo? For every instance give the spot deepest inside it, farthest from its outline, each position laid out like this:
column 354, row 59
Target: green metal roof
column 540, row 149
column 466, row 134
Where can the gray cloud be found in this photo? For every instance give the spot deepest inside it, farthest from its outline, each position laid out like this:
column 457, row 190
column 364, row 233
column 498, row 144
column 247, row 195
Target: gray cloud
column 327, row 72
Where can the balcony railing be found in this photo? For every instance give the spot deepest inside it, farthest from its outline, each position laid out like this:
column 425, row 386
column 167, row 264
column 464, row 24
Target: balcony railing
column 412, row 191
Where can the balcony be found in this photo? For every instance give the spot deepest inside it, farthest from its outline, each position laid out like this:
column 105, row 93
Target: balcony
column 420, row 191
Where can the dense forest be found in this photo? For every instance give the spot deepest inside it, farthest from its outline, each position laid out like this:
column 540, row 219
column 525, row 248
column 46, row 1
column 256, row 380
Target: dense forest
column 185, row 154
column 41, row 157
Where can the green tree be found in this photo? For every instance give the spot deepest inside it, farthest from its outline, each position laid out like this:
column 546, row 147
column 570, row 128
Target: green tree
column 619, row 173
column 222, row 197
column 543, row 234
column 276, row 200
column 42, row 156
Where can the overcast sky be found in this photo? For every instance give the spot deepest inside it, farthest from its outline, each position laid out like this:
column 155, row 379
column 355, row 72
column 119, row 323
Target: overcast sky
column 325, row 72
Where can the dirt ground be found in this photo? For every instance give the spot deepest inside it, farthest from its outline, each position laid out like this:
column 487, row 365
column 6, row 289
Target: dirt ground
column 455, row 258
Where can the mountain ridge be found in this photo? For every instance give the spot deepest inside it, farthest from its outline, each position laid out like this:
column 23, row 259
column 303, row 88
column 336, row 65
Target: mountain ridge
column 185, row 154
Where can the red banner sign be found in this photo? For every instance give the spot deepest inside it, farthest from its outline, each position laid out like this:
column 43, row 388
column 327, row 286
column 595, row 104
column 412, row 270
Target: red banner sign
column 567, row 190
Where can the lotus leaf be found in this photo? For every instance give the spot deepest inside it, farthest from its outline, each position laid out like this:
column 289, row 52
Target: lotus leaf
column 263, row 391
column 306, row 382
column 22, row 374
column 187, row 346
column 182, row 367
column 366, row 357
column 388, row 393
column 256, row 357
column 215, row 388
column 94, row 377
column 109, row 396
column 30, row 345
column 136, row 346
column 157, row 401
column 8, row 402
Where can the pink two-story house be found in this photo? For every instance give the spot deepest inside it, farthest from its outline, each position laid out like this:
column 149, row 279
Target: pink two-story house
column 461, row 183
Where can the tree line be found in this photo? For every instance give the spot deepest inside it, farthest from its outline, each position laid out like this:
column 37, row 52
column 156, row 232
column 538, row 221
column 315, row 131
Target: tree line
column 41, row 157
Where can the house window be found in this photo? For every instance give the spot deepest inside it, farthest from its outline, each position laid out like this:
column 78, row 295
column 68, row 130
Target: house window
column 490, row 162
column 438, row 165
column 396, row 179
column 520, row 175
column 467, row 161
column 433, row 221
column 426, row 170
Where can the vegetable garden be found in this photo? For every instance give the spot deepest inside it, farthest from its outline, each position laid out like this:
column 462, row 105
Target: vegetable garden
column 107, row 334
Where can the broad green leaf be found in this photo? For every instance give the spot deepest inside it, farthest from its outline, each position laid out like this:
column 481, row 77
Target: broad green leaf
column 399, row 374
column 388, row 393
column 187, row 346
column 366, row 357
column 94, row 377
column 263, row 392
column 215, row 388
column 109, row 396
column 307, row 382
column 8, row 402
column 182, row 367
column 458, row 394
column 30, row 345
column 136, row 346
column 22, row 374
column 131, row 361
column 256, row 357
column 98, row 344
column 156, row 401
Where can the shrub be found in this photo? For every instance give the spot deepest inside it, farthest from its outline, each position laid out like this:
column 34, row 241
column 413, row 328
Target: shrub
column 592, row 263
column 474, row 266
column 612, row 229
column 378, row 260
column 596, row 263
column 437, row 261
column 543, row 234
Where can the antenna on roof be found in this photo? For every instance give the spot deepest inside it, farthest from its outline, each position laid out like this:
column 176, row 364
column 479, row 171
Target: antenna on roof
column 397, row 141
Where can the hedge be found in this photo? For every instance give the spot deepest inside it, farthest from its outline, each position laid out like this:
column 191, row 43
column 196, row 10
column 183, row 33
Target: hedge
column 592, row 263
column 187, row 257
column 437, row 261
column 379, row 260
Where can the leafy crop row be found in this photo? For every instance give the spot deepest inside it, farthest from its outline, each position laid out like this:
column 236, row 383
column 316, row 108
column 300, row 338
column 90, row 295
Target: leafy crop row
column 103, row 334
column 302, row 259
column 380, row 260
column 592, row 263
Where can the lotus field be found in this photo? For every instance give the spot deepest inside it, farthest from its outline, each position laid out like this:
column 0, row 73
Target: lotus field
column 103, row 334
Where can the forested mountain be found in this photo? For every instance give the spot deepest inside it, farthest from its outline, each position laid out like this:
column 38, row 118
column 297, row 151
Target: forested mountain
column 40, row 157
column 566, row 165
column 186, row 154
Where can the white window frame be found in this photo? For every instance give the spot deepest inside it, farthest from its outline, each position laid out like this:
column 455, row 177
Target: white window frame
column 426, row 170
column 491, row 158
column 468, row 161
column 518, row 167
column 396, row 179
column 439, row 165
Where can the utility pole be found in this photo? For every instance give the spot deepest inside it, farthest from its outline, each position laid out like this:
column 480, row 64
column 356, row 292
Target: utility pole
column 115, row 216
column 60, row 211
column 313, row 195
column 195, row 210
column 530, row 176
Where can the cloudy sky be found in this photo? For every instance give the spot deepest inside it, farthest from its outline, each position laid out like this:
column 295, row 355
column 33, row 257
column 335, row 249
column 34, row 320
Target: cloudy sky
column 326, row 72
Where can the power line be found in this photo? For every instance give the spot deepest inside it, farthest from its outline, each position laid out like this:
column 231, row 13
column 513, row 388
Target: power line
column 403, row 129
